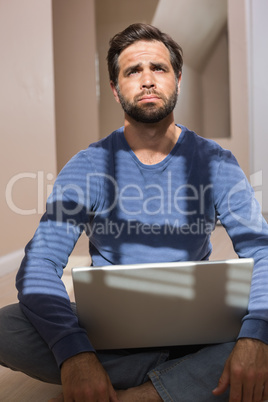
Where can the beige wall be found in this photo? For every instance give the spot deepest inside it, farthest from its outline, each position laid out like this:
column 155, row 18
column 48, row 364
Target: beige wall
column 27, row 134
column 203, row 104
column 75, row 80
column 238, row 143
column 215, row 91
column 258, row 83
column 36, row 114
column 188, row 110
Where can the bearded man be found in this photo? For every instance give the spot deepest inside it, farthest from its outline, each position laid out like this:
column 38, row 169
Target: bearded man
column 41, row 335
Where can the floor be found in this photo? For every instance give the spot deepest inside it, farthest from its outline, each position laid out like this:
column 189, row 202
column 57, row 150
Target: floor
column 17, row 387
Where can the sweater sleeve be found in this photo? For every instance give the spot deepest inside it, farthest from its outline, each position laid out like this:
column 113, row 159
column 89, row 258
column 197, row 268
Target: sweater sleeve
column 240, row 214
column 41, row 292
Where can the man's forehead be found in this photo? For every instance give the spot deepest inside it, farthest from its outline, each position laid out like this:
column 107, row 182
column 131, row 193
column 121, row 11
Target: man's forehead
column 144, row 50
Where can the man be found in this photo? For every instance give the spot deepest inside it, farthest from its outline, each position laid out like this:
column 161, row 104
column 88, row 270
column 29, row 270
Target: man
column 149, row 174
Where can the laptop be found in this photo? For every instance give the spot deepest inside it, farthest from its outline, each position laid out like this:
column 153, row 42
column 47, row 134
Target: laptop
column 162, row 304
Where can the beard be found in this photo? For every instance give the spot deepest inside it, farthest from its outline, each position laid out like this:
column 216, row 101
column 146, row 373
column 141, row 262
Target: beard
column 148, row 112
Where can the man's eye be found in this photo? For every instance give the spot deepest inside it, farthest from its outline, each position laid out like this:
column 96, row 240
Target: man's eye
column 133, row 72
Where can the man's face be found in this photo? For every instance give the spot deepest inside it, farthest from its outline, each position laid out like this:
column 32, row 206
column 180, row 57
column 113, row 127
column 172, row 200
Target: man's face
column 147, row 86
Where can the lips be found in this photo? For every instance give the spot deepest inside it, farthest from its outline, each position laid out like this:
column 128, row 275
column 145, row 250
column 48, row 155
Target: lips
column 148, row 97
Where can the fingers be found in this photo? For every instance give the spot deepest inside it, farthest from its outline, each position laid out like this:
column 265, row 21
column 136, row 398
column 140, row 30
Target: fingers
column 224, row 380
column 246, row 371
column 244, row 386
column 265, row 392
column 59, row 398
column 258, row 394
column 247, row 387
column 113, row 396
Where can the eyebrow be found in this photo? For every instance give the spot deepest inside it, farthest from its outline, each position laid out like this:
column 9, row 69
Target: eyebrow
column 138, row 65
column 131, row 68
column 160, row 65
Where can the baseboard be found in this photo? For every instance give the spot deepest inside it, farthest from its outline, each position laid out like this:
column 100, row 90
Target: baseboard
column 11, row 262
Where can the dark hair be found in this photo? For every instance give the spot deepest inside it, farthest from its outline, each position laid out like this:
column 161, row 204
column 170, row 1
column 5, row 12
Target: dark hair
column 134, row 33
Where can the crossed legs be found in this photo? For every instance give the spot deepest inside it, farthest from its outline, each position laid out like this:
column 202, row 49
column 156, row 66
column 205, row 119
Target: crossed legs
column 148, row 375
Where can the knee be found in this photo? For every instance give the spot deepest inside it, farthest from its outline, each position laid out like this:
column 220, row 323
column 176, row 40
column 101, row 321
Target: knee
column 22, row 348
column 9, row 328
column 6, row 315
column 9, row 316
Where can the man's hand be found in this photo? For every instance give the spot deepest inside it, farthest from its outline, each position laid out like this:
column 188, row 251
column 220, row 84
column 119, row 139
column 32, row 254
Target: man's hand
column 246, row 371
column 84, row 379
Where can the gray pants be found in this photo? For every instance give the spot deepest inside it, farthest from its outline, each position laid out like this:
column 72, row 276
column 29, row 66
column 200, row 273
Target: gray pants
column 188, row 378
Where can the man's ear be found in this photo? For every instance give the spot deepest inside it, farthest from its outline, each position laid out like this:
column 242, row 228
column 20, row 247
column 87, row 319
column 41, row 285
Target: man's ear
column 114, row 91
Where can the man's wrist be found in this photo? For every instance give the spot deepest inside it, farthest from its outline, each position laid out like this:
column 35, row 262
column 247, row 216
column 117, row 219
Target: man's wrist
column 79, row 357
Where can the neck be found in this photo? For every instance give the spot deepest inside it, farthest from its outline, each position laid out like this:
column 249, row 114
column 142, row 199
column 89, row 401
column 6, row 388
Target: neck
column 151, row 142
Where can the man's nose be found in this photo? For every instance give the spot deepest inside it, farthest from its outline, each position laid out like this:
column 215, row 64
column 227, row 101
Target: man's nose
column 147, row 80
